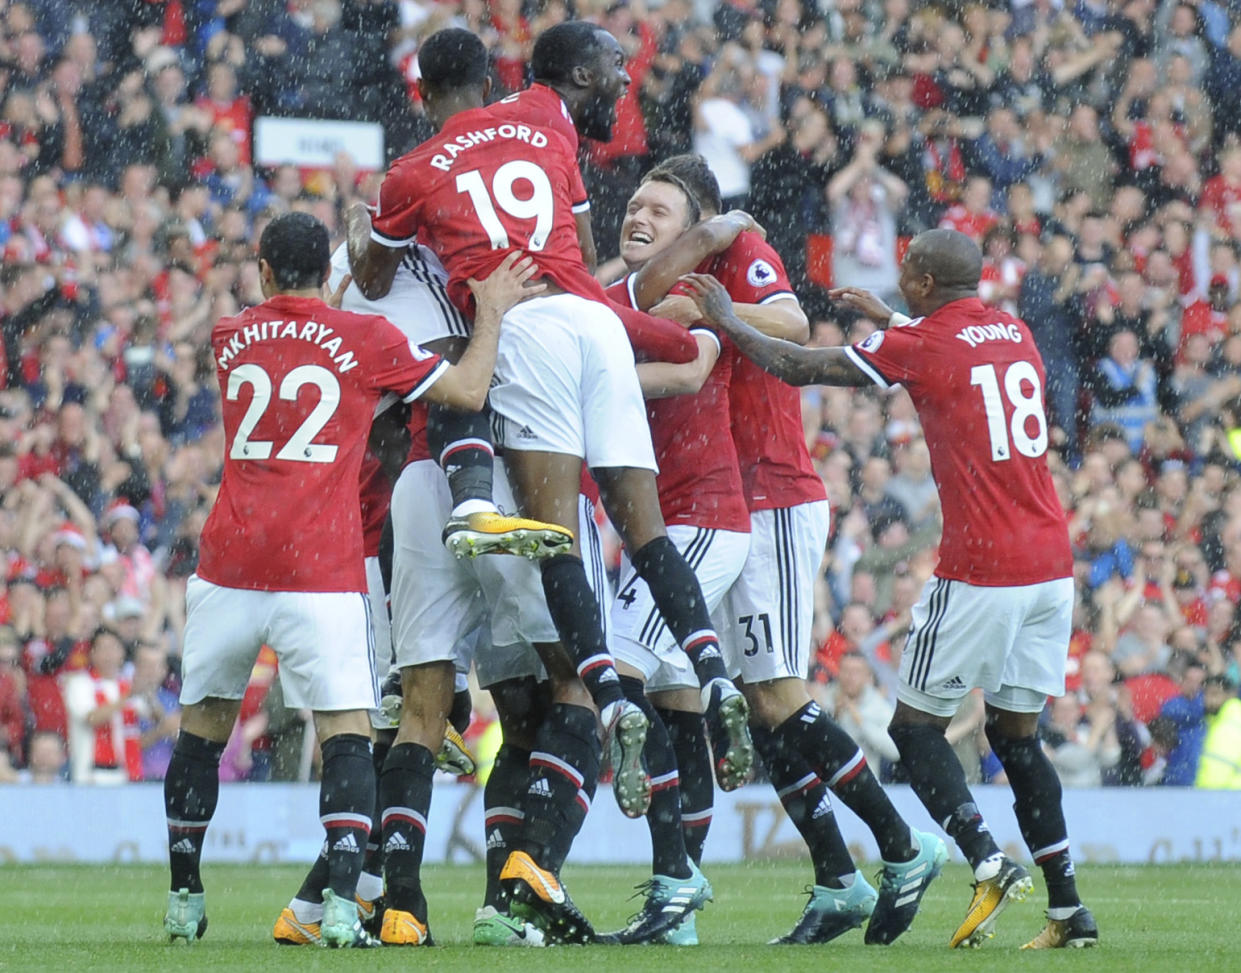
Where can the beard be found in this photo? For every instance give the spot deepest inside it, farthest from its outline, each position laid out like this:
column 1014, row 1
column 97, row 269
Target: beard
column 598, row 118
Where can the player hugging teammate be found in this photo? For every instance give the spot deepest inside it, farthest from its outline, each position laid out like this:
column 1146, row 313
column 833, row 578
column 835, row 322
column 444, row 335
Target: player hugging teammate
column 488, row 222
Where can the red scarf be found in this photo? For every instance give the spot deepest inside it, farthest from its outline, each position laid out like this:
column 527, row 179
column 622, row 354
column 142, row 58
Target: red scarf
column 123, row 725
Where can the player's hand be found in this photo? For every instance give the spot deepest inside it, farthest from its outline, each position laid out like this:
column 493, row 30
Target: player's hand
column 862, row 301
column 508, row 284
column 333, row 298
column 678, row 308
column 714, row 304
column 748, row 223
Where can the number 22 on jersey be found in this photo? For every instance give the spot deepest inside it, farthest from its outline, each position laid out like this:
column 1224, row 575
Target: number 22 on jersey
column 300, row 448
column 539, row 206
column 1025, row 407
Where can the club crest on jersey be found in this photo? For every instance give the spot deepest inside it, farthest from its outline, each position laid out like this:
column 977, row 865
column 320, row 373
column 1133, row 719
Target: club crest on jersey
column 872, row 342
column 761, row 273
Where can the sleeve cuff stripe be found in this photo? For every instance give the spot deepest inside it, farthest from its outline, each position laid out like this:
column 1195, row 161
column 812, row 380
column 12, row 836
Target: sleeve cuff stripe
column 629, row 285
column 388, row 241
column 867, row 368
column 779, row 296
column 706, row 332
column 427, row 382
column 581, row 207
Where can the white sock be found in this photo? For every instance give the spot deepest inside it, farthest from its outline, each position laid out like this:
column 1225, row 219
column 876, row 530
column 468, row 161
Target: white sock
column 306, row 912
column 370, row 887
column 1063, row 912
column 609, row 711
column 467, row 507
column 989, row 867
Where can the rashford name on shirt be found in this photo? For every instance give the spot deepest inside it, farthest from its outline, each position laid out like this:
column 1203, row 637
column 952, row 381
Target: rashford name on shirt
column 521, row 133
column 317, row 334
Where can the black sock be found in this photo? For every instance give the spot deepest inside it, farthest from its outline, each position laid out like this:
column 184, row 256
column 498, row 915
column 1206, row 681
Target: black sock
column 564, row 768
column 462, row 707
column 937, row 778
column 840, row 762
column 406, row 790
column 503, row 816
column 688, row 735
column 663, row 819
column 346, row 802
column 575, row 613
column 461, row 442
column 808, row 804
column 1040, row 814
column 374, row 862
column 676, row 591
column 191, row 790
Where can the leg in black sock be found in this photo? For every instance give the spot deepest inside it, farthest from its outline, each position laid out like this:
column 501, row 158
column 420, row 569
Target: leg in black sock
column 346, row 802
column 1040, row 814
column 462, row 707
column 688, row 735
column 461, row 442
column 191, row 790
column 839, row 761
column 668, row 853
column 575, row 613
column 563, row 768
column 937, row 778
column 806, row 800
column 503, row 816
column 405, row 787
column 676, row 591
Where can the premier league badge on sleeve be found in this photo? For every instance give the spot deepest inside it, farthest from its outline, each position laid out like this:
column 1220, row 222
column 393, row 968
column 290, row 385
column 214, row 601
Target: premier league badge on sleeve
column 760, row 274
column 872, row 342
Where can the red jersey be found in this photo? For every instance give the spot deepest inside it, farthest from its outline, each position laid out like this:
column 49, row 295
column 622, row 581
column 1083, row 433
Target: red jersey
column 1219, row 197
column 542, row 106
column 299, row 382
column 375, row 497
column 776, row 470
column 482, row 188
column 699, row 481
column 977, row 381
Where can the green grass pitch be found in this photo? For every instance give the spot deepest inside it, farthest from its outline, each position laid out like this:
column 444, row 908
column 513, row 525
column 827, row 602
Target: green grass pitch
column 74, row 917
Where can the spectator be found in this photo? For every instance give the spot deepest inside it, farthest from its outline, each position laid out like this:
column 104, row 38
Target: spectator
column 1219, row 767
column 1125, row 390
column 157, row 708
column 104, row 745
column 1081, row 745
column 1185, row 714
column 47, row 763
column 857, row 706
column 12, row 698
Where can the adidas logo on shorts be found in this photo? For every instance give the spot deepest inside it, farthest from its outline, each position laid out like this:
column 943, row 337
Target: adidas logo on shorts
column 347, row 843
column 396, row 843
column 525, row 432
column 954, row 683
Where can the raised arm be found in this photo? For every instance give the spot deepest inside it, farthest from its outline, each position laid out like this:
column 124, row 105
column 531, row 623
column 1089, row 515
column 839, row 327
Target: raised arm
column 371, row 263
column 786, row 361
column 661, row 272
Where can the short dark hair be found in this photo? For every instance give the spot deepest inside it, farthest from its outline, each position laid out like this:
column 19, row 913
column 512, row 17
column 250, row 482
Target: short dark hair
column 453, row 58
column 1221, row 680
column 690, row 173
column 563, row 47
column 295, row 246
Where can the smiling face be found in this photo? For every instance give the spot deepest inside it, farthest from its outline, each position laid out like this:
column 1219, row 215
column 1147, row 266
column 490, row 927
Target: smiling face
column 657, row 214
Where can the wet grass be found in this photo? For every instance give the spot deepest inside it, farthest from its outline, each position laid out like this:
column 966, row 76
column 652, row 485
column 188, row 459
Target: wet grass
column 61, row 918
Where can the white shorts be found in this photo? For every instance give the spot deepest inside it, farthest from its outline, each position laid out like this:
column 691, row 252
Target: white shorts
column 770, row 610
column 417, row 302
column 381, row 633
column 491, row 610
column 322, row 639
column 641, row 636
column 1010, row 642
column 565, row 382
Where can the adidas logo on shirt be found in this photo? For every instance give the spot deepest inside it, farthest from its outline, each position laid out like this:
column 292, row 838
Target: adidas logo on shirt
column 540, row 788
column 346, row 843
column 183, row 847
column 396, row 843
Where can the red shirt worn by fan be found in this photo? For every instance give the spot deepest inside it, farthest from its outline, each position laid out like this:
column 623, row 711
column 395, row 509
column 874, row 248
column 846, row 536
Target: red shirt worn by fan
column 977, row 381
column 776, row 470
column 299, row 381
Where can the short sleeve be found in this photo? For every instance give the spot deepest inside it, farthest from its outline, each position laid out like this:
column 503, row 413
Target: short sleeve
column 395, row 364
column 753, row 272
column 395, row 223
column 890, row 357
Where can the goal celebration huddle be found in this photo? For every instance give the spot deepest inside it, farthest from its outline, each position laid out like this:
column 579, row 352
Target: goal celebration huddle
column 418, row 430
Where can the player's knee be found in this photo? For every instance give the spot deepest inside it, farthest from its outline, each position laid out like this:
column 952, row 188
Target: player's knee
column 774, row 701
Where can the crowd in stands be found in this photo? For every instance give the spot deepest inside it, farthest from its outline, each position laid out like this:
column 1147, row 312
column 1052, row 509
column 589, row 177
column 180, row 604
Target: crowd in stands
column 1093, row 149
